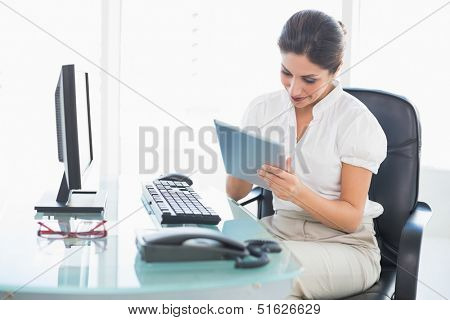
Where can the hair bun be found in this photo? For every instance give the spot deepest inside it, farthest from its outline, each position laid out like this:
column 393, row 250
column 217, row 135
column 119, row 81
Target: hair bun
column 344, row 30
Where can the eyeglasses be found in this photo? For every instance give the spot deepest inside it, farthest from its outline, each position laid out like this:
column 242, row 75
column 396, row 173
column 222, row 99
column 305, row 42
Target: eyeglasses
column 85, row 230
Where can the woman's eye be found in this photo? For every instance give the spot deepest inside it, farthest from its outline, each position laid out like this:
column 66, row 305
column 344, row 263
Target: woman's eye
column 310, row 81
column 285, row 73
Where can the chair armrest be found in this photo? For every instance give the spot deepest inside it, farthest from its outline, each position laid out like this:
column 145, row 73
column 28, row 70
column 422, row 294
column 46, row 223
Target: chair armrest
column 409, row 252
column 254, row 195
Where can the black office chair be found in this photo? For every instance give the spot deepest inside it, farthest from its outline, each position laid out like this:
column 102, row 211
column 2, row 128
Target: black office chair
column 399, row 229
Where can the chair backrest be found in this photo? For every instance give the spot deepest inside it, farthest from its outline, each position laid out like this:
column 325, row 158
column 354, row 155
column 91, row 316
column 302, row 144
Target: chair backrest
column 396, row 186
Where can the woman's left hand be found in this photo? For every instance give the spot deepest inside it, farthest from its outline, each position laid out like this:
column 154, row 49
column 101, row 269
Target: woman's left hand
column 284, row 183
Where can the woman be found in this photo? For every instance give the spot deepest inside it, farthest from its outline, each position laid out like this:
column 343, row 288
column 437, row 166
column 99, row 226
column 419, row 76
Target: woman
column 321, row 204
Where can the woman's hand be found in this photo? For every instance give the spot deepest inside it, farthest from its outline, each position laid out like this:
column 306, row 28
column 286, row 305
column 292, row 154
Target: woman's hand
column 284, row 183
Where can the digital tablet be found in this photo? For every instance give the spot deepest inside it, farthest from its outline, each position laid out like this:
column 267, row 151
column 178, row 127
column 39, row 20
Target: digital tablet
column 244, row 152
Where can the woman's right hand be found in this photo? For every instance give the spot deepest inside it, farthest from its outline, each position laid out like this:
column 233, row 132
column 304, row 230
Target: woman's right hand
column 237, row 188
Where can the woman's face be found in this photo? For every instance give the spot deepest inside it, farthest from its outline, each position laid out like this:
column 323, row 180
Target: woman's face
column 306, row 82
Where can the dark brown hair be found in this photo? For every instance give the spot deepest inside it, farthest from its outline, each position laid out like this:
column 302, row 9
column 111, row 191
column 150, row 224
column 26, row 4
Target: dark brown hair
column 317, row 36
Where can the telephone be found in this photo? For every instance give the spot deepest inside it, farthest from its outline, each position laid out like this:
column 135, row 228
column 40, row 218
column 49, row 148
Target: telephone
column 200, row 244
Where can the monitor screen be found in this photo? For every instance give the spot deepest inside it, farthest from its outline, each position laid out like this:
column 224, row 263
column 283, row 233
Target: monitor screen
column 83, row 120
column 73, row 125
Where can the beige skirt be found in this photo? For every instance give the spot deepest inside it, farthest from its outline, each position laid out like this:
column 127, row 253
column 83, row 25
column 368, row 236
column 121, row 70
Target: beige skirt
column 335, row 264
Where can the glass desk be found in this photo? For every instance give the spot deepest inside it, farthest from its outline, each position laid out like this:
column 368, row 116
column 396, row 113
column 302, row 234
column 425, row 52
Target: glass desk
column 36, row 268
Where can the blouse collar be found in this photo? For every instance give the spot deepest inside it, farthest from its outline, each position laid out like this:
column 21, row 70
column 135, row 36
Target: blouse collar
column 328, row 101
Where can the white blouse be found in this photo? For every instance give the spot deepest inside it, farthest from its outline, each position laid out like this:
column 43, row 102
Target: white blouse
column 342, row 130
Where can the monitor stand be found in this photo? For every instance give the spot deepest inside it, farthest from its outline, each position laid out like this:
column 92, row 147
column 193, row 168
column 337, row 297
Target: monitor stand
column 77, row 202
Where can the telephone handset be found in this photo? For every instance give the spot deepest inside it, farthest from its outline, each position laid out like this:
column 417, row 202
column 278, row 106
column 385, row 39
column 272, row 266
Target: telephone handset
column 200, row 244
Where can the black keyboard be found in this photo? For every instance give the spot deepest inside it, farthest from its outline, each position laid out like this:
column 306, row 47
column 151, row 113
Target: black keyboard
column 176, row 202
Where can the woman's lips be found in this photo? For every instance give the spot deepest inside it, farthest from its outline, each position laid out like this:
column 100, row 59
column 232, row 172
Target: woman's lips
column 298, row 99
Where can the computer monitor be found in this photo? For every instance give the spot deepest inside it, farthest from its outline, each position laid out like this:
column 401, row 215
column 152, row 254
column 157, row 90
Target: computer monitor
column 73, row 127
column 74, row 135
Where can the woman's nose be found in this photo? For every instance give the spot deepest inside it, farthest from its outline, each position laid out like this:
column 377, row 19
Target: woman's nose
column 295, row 88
